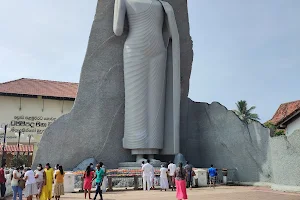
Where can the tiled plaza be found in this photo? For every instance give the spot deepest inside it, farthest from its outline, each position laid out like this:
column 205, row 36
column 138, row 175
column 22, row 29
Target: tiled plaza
column 220, row 193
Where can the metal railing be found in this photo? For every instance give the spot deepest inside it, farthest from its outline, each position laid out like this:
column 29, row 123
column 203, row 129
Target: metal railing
column 231, row 176
column 135, row 182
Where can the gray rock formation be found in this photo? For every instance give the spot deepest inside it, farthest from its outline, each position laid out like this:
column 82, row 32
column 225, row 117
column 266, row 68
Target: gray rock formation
column 215, row 135
column 95, row 125
column 179, row 158
column 285, row 154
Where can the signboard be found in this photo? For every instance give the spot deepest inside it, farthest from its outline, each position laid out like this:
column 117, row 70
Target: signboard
column 28, row 125
column 31, row 124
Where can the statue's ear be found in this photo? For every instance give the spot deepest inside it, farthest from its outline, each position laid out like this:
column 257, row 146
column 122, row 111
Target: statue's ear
column 166, row 31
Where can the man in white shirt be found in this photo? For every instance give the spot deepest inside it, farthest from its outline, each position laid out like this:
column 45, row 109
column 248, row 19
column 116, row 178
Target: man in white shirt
column 172, row 169
column 147, row 171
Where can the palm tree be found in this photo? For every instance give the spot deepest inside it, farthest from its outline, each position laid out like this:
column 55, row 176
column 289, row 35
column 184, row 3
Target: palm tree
column 244, row 113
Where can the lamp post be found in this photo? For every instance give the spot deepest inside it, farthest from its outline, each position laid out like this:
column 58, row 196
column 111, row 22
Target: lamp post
column 19, row 134
column 4, row 128
column 29, row 137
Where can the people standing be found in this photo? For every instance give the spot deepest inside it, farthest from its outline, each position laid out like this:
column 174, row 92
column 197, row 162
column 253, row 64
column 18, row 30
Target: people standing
column 59, row 183
column 30, row 185
column 212, row 176
column 180, row 181
column 164, row 185
column 2, row 181
column 104, row 181
column 88, row 180
column 172, row 169
column 152, row 177
column 147, row 171
column 47, row 189
column 16, row 177
column 189, row 178
column 92, row 167
column 143, row 162
column 40, row 177
column 99, row 178
column 56, row 168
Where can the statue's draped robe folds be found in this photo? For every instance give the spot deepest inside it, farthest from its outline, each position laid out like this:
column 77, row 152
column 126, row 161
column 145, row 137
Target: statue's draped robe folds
column 151, row 75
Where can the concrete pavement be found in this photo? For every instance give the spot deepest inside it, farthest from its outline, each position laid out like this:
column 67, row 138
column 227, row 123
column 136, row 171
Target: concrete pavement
column 220, row 193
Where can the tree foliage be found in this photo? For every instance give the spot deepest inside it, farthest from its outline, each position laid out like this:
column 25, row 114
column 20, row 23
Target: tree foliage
column 21, row 160
column 273, row 128
column 244, row 113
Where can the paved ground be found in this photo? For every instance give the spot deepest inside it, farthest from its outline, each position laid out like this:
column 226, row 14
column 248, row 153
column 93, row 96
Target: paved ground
column 220, row 193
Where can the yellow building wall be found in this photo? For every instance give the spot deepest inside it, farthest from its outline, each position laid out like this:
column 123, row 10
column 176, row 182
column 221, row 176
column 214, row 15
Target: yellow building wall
column 30, row 115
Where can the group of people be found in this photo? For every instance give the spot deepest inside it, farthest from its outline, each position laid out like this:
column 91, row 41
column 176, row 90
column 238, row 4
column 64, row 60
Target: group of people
column 171, row 176
column 98, row 175
column 39, row 182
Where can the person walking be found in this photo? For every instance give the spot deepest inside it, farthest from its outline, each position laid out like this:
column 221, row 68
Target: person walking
column 147, row 170
column 99, row 178
column 2, row 181
column 212, row 176
column 47, row 189
column 30, row 185
column 59, row 183
column 189, row 178
column 172, row 169
column 164, row 185
column 16, row 177
column 40, row 177
column 180, row 181
column 88, row 180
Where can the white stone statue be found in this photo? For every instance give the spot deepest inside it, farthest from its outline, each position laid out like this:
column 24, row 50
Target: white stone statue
column 151, row 76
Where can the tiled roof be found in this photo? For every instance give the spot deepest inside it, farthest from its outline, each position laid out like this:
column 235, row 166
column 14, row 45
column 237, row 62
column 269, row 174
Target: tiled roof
column 25, row 86
column 284, row 111
column 14, row 148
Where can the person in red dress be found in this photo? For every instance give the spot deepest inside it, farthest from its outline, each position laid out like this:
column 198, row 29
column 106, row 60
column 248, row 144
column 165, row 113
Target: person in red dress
column 88, row 180
column 180, row 181
column 2, row 181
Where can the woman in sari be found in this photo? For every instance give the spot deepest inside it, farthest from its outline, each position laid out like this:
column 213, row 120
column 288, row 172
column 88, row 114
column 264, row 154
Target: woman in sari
column 47, row 189
column 180, row 175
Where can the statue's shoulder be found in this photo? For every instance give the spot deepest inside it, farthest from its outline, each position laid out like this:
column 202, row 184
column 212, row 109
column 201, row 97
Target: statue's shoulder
column 167, row 6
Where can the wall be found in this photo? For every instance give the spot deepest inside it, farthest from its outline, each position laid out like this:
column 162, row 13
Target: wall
column 31, row 116
column 215, row 135
column 285, row 153
column 295, row 125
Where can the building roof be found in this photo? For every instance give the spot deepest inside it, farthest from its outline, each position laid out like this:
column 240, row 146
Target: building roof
column 285, row 111
column 35, row 87
column 14, row 148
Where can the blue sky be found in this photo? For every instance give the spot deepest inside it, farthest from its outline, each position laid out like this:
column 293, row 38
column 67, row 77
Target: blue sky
column 242, row 49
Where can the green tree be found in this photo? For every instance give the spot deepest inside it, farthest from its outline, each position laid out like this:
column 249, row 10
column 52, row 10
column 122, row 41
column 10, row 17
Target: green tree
column 244, row 113
column 273, row 128
column 21, row 160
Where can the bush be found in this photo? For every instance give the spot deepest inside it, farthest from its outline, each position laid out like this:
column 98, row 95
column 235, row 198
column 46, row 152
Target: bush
column 279, row 132
column 273, row 128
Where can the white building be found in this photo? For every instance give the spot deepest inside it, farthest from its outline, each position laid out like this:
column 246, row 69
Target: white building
column 30, row 106
column 288, row 117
